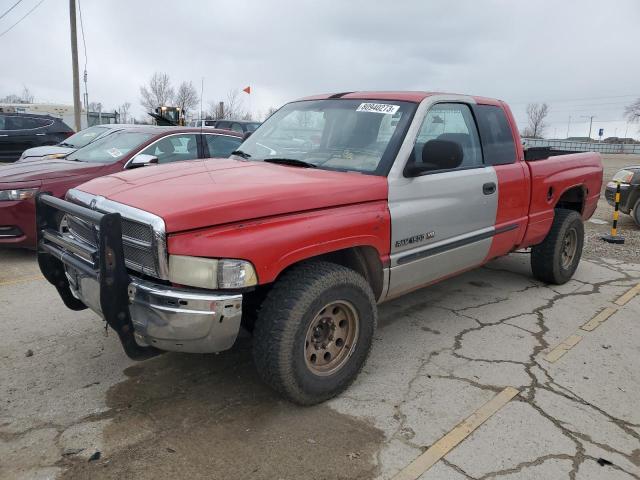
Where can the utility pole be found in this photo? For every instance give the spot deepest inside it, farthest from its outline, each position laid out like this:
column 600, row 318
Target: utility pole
column 568, row 126
column 201, row 93
column 74, row 64
column 590, row 117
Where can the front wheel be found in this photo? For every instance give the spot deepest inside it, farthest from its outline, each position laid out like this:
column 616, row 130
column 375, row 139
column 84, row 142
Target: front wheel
column 314, row 331
column 556, row 259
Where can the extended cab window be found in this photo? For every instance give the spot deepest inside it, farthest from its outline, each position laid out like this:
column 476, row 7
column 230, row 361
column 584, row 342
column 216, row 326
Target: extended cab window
column 495, row 132
column 222, row 145
column 174, row 148
column 451, row 122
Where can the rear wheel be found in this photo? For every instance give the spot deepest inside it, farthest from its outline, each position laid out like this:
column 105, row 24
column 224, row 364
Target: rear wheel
column 314, row 331
column 556, row 259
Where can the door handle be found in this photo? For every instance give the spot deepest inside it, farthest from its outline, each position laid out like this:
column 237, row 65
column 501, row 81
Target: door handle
column 489, row 188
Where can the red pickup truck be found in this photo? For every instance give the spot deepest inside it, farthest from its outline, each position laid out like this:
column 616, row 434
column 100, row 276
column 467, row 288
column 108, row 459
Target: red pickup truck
column 336, row 203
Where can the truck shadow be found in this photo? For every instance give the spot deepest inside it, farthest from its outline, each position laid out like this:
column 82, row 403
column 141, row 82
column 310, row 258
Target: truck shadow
column 209, row 416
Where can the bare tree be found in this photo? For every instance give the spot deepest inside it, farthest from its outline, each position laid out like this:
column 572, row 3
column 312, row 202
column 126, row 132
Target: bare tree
column 11, row 98
column 270, row 112
column 216, row 110
column 25, row 97
column 232, row 107
column 536, row 114
column 95, row 106
column 124, row 112
column 186, row 97
column 159, row 92
column 632, row 112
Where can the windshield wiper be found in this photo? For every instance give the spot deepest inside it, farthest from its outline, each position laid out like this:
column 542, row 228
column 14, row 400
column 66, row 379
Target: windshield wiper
column 240, row 153
column 65, row 144
column 291, row 161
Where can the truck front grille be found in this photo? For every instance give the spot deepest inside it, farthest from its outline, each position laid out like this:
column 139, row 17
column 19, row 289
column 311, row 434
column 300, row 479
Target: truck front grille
column 144, row 247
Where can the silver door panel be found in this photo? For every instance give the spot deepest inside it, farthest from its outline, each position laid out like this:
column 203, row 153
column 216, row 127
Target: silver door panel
column 440, row 223
column 444, row 205
column 408, row 276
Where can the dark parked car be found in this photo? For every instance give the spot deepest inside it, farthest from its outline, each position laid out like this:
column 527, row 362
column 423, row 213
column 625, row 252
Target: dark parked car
column 629, row 179
column 19, row 131
column 125, row 149
column 71, row 144
column 242, row 126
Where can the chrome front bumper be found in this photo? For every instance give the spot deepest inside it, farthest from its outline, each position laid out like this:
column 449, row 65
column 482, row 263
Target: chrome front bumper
column 148, row 317
column 168, row 318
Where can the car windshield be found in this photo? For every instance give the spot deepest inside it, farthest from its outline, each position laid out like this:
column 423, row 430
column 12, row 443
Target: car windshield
column 332, row 134
column 110, row 148
column 84, row 137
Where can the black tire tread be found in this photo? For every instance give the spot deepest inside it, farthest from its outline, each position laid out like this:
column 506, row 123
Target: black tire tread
column 543, row 254
column 274, row 331
column 635, row 213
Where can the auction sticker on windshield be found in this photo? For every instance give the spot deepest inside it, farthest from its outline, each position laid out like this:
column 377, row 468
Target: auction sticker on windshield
column 114, row 152
column 378, row 108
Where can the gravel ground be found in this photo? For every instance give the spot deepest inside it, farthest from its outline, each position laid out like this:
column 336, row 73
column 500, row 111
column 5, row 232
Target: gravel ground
column 594, row 247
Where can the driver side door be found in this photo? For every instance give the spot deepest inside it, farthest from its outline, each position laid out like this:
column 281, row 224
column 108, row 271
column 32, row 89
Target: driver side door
column 442, row 220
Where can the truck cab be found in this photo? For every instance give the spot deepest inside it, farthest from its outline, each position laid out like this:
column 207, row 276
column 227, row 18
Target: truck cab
column 335, row 204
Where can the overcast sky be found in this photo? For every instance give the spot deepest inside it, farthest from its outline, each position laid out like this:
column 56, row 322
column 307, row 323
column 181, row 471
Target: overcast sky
column 582, row 57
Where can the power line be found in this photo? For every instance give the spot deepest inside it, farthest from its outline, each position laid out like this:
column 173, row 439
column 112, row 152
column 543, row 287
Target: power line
column 84, row 43
column 10, row 8
column 22, row 18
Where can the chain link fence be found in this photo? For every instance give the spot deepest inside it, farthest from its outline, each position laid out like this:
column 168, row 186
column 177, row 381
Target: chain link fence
column 574, row 146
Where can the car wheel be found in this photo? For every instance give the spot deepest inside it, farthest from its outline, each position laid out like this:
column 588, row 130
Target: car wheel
column 555, row 259
column 635, row 213
column 314, row 331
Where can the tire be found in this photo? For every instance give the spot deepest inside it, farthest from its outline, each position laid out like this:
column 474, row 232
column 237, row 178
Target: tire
column 554, row 260
column 635, row 213
column 285, row 338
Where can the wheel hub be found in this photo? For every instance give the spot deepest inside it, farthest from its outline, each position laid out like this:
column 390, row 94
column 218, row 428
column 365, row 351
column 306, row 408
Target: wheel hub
column 331, row 338
column 569, row 247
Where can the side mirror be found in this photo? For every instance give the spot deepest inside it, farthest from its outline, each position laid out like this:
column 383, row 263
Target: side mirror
column 246, row 135
column 143, row 159
column 436, row 155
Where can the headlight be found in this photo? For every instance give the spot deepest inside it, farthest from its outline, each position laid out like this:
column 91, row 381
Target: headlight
column 623, row 176
column 52, row 156
column 211, row 273
column 18, row 194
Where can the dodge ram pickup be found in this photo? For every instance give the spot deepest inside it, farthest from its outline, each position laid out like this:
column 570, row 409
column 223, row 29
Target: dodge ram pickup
column 335, row 204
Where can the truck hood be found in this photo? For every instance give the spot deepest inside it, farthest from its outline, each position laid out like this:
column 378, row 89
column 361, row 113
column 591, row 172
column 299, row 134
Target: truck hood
column 202, row 193
column 37, row 152
column 46, row 170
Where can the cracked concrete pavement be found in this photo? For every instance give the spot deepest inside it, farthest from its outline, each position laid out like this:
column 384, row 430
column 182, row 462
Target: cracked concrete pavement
column 67, row 391
column 439, row 354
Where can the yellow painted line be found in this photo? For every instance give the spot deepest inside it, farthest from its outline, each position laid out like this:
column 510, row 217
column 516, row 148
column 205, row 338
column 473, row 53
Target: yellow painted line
column 22, row 280
column 566, row 345
column 447, row 443
column 628, row 296
column 598, row 319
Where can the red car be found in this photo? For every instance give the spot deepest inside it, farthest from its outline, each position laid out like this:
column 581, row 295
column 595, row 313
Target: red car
column 335, row 204
column 127, row 149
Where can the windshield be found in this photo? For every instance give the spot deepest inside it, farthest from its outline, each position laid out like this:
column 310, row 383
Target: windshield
column 84, row 137
column 333, row 134
column 251, row 127
column 110, row 148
